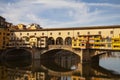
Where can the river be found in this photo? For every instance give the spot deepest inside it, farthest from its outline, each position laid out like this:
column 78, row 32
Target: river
column 61, row 67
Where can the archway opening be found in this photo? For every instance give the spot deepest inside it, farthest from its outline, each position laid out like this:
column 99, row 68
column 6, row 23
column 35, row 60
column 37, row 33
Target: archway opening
column 51, row 41
column 59, row 41
column 68, row 41
column 60, row 60
column 17, row 58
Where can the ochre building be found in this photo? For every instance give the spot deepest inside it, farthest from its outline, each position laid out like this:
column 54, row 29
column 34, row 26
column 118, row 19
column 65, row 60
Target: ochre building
column 4, row 33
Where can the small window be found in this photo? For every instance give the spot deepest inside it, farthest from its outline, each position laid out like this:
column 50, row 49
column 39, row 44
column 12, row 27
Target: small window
column 78, row 33
column 3, row 38
column 111, row 32
column 68, row 33
column 99, row 32
column 50, row 33
column 8, row 34
column 42, row 33
column 11, row 33
column 27, row 33
column 88, row 33
column 74, row 78
column 59, row 33
column 74, row 44
column 20, row 33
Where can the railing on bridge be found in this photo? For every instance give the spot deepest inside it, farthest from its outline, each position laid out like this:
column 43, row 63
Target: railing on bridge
column 59, row 47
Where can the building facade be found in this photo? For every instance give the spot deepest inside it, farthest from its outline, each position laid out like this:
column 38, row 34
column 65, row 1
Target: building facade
column 106, row 37
column 95, row 37
column 4, row 33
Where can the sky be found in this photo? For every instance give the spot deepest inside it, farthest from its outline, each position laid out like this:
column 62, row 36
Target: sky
column 61, row 13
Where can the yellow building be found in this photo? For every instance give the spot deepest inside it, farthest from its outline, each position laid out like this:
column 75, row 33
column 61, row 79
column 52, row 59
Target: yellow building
column 21, row 26
column 116, row 43
column 87, row 41
column 4, row 33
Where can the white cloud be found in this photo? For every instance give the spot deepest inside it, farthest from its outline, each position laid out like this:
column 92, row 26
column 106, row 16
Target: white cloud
column 104, row 4
column 24, row 11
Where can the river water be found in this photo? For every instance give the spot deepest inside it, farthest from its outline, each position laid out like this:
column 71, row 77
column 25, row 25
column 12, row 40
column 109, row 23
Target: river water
column 61, row 67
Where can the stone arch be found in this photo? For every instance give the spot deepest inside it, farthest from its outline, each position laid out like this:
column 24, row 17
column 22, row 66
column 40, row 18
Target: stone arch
column 59, row 41
column 57, row 50
column 62, row 55
column 51, row 41
column 68, row 41
column 21, row 56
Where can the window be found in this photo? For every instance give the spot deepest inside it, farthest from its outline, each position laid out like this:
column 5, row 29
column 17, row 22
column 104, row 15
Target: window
column 20, row 33
column 11, row 33
column 79, row 44
column 74, row 78
column 88, row 33
column 3, row 38
column 3, row 33
column 111, row 32
column 50, row 33
column 78, row 33
column 108, row 39
column 8, row 34
column 27, row 33
column 83, row 45
column 42, row 33
column 59, row 33
column 68, row 33
column 74, row 44
column 99, row 32
column 109, row 45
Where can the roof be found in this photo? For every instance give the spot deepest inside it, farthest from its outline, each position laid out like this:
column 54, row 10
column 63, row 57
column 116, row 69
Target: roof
column 74, row 28
column 2, row 18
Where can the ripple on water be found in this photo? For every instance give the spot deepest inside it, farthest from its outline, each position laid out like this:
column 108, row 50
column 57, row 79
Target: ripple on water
column 111, row 63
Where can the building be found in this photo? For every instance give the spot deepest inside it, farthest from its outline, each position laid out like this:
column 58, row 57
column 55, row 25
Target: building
column 4, row 33
column 98, row 37
column 95, row 37
column 21, row 26
column 34, row 26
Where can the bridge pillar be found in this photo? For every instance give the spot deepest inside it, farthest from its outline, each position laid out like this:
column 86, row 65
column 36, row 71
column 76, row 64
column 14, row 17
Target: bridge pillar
column 85, row 55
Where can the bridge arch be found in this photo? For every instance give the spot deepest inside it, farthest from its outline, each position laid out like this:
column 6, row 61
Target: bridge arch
column 21, row 56
column 59, row 41
column 54, row 51
column 68, row 41
column 51, row 41
column 60, row 57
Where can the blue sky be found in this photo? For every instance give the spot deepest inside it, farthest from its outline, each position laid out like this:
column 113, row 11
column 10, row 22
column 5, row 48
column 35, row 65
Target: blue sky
column 62, row 13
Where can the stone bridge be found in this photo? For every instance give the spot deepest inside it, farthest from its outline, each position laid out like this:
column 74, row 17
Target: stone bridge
column 85, row 54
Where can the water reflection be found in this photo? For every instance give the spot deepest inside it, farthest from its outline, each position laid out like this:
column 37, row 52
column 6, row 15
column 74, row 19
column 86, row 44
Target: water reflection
column 111, row 62
column 59, row 67
column 61, row 61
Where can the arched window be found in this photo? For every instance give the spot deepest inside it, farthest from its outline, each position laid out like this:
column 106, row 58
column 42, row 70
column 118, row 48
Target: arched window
column 59, row 41
column 51, row 41
column 68, row 41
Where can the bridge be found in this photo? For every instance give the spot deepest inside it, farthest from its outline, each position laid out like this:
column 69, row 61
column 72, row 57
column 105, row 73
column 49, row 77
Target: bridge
column 86, row 42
